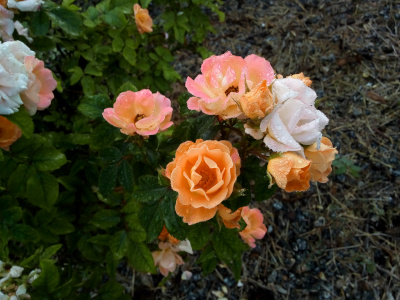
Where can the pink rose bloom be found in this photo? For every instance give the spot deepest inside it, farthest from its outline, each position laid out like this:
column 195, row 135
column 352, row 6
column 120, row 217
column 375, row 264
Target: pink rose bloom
column 255, row 228
column 41, row 84
column 218, row 89
column 140, row 112
column 168, row 259
column 6, row 24
column 294, row 121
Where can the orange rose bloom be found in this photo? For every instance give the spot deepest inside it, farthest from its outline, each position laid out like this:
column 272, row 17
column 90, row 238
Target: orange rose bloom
column 257, row 102
column 166, row 237
column 290, row 171
column 9, row 133
column 142, row 19
column 321, row 160
column 230, row 219
column 203, row 173
column 306, row 80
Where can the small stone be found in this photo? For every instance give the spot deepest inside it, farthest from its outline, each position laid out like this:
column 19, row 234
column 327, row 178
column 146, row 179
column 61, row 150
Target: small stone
column 272, row 276
column 277, row 205
column 302, row 244
column 270, row 228
column 319, row 222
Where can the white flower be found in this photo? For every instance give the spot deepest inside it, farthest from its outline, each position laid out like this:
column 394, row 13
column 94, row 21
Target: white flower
column 25, row 5
column 22, row 31
column 33, row 275
column 294, row 120
column 6, row 24
column 15, row 271
column 185, row 246
column 13, row 75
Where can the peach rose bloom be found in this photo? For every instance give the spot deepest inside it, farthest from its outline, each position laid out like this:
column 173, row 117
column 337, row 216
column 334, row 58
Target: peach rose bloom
column 321, row 159
column 255, row 228
column 203, row 173
column 290, row 171
column 166, row 237
column 230, row 219
column 9, row 133
column 144, row 22
column 41, row 84
column 217, row 91
column 140, row 112
column 257, row 102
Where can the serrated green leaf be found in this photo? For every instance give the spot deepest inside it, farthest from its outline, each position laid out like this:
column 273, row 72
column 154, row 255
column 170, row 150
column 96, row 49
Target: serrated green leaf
column 106, row 218
column 175, row 226
column 139, row 256
column 199, row 235
column 11, row 215
column 69, row 21
column 42, row 190
column 17, row 183
column 108, row 179
column 93, row 68
column 93, row 106
column 149, row 189
column 110, row 155
column 24, row 233
column 119, row 244
column 130, row 55
column 125, row 176
column 88, row 85
column 23, row 120
column 103, row 135
column 77, row 74
column 126, row 86
column 39, row 23
column 117, row 44
column 136, row 232
column 50, row 251
column 48, row 159
column 100, row 239
column 59, row 227
column 49, row 277
column 110, row 291
column 151, row 218
column 115, row 18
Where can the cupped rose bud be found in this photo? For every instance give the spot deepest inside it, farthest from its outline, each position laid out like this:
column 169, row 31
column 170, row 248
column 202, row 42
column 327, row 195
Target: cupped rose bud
column 321, row 159
column 230, row 219
column 203, row 173
column 255, row 228
column 290, row 171
column 294, row 120
column 25, row 5
column 41, row 85
column 219, row 88
column 144, row 22
column 9, row 133
column 257, row 102
column 142, row 113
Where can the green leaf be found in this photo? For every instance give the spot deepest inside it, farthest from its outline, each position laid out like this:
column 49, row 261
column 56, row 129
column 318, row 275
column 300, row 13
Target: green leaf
column 115, row 18
column 183, row 109
column 130, row 55
column 139, row 256
column 17, row 183
column 100, row 239
column 50, row 251
column 69, row 21
column 149, row 189
column 110, row 291
column 208, row 260
column 24, row 233
column 151, row 218
column 136, row 232
column 42, row 190
column 145, row 3
column 126, row 86
column 93, row 106
column 175, row 226
column 202, row 128
column 119, row 244
column 88, row 85
column 49, row 277
column 110, row 155
column 42, row 43
column 117, row 44
column 106, row 218
column 77, row 74
column 40, row 23
column 93, row 68
column 125, row 176
column 103, row 135
column 23, row 120
column 108, row 179
column 11, row 215
column 59, row 227
column 199, row 235
column 48, row 159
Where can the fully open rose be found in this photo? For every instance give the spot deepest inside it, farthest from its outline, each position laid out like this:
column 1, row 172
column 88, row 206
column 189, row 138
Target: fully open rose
column 255, row 228
column 140, row 112
column 321, row 159
column 203, row 173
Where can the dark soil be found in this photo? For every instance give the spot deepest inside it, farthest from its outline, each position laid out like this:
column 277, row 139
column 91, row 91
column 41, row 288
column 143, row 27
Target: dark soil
column 339, row 240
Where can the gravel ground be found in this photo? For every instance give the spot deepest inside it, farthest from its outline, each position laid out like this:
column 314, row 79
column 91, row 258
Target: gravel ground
column 339, row 240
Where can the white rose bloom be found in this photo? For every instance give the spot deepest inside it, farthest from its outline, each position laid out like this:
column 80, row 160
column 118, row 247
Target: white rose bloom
column 25, row 5
column 294, row 120
column 13, row 75
column 6, row 24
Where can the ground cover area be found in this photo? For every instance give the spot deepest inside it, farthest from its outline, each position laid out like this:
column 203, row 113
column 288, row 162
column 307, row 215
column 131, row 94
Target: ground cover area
column 339, row 240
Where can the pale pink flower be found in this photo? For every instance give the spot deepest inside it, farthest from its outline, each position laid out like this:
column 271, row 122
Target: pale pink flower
column 167, row 259
column 140, row 112
column 13, row 75
column 39, row 94
column 25, row 5
column 6, row 24
column 255, row 228
column 218, row 89
column 294, row 120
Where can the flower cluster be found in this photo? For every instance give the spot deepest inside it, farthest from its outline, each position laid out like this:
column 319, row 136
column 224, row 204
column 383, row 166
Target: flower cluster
column 24, row 80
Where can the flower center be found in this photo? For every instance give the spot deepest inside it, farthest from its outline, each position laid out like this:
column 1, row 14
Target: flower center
column 207, row 180
column 139, row 117
column 230, row 89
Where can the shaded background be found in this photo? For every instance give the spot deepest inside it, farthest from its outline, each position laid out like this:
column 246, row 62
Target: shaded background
column 339, row 240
